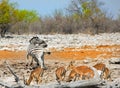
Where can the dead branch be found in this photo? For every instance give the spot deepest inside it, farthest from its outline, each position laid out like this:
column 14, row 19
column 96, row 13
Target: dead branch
column 8, row 66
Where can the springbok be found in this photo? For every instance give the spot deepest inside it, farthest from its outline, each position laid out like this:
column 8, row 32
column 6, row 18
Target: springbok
column 103, row 71
column 60, row 74
column 37, row 73
column 84, row 72
column 101, row 68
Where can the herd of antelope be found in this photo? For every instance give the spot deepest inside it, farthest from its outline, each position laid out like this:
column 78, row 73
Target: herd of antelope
column 83, row 72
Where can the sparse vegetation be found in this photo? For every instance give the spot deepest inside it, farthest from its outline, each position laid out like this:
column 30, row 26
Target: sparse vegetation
column 83, row 16
column 66, row 42
column 10, row 16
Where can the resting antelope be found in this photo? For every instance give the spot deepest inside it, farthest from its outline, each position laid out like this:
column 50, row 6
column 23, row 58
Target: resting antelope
column 84, row 72
column 60, row 74
column 37, row 73
column 102, row 70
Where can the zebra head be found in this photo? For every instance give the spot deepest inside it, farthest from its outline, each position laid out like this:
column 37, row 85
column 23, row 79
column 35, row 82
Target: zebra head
column 38, row 41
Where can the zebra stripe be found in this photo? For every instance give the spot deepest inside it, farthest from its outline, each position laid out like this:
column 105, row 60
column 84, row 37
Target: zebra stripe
column 36, row 50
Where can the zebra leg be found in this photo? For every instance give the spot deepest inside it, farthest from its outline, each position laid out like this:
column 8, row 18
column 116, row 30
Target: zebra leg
column 27, row 59
column 31, row 63
column 36, row 60
column 41, row 60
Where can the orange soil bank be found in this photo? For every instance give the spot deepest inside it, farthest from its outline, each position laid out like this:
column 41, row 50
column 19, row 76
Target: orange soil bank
column 69, row 53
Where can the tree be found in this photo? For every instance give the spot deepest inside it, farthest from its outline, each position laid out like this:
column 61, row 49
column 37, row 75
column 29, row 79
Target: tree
column 9, row 14
column 86, row 11
column 6, row 12
column 24, row 18
column 25, row 15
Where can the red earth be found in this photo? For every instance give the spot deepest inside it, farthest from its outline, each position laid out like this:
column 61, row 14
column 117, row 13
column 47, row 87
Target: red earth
column 81, row 53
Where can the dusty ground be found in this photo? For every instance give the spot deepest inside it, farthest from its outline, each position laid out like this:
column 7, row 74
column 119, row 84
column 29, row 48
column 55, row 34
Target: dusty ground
column 87, row 55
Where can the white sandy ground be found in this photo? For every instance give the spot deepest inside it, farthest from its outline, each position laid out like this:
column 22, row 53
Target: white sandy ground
column 20, row 42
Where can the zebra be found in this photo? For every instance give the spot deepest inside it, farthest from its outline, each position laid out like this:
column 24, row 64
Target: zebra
column 36, row 50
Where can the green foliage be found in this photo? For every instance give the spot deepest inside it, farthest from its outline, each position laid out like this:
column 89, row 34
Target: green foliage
column 90, row 9
column 85, row 9
column 25, row 15
column 9, row 14
column 76, row 16
column 6, row 11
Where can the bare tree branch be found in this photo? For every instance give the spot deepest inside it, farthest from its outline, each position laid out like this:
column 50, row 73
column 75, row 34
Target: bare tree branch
column 16, row 77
